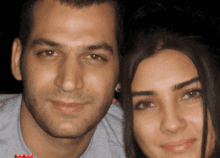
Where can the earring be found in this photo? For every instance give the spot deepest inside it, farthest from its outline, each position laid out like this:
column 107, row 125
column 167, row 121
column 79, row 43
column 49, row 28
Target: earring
column 117, row 90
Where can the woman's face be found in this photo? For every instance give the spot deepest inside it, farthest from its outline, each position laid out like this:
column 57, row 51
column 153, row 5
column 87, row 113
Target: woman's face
column 168, row 107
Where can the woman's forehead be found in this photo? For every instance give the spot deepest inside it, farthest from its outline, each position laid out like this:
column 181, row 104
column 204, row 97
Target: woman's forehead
column 166, row 68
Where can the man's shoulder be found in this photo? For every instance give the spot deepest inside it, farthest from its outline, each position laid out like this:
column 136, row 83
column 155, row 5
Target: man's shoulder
column 9, row 112
column 108, row 137
column 5, row 97
column 8, row 102
column 115, row 113
column 113, row 124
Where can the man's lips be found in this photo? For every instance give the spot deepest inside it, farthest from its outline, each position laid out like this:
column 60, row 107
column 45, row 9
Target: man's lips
column 180, row 146
column 67, row 107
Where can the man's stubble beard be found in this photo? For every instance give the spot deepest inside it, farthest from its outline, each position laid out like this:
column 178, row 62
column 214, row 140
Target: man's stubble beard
column 79, row 132
column 103, row 109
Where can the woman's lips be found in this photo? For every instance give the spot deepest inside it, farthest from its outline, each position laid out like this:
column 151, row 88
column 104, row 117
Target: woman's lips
column 67, row 107
column 179, row 147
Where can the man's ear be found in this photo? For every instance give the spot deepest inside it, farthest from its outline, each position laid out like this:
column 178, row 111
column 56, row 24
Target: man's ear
column 15, row 59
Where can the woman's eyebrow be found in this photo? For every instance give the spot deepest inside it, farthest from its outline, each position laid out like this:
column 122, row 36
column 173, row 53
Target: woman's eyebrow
column 175, row 88
column 181, row 85
column 143, row 93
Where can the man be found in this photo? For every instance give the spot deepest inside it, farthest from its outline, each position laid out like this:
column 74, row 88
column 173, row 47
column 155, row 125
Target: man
column 67, row 57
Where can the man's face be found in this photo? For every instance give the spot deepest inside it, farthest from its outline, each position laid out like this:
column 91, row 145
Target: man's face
column 70, row 67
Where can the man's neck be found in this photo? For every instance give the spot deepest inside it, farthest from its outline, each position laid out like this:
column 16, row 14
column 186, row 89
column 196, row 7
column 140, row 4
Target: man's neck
column 43, row 145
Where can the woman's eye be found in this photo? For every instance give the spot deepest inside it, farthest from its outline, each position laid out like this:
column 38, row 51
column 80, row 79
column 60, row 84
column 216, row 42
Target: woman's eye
column 192, row 94
column 143, row 105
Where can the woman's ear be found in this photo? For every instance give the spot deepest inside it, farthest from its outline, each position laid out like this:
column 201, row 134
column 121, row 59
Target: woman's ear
column 15, row 59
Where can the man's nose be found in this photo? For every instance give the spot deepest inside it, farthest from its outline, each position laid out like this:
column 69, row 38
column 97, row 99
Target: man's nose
column 70, row 75
column 173, row 121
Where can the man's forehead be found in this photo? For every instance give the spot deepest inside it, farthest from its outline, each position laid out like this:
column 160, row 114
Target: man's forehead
column 77, row 25
column 73, row 3
column 45, row 7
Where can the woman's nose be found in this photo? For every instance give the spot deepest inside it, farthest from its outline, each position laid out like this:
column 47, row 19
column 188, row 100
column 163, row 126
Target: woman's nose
column 172, row 121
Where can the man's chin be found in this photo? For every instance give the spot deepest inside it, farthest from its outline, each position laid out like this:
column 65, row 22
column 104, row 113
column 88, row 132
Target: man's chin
column 68, row 133
column 63, row 136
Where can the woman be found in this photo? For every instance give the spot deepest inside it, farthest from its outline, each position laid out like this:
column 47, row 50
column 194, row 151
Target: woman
column 170, row 98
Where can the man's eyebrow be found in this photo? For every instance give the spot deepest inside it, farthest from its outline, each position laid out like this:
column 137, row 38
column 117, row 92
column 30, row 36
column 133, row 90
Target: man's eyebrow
column 181, row 85
column 103, row 45
column 141, row 93
column 43, row 41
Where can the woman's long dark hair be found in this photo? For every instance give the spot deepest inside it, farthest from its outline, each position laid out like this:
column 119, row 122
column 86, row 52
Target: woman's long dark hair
column 143, row 46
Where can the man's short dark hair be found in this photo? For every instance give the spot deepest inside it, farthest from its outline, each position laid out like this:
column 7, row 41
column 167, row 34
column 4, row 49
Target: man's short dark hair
column 26, row 17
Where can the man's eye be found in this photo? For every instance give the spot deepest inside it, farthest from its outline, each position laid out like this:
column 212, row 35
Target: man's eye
column 46, row 53
column 96, row 57
column 193, row 94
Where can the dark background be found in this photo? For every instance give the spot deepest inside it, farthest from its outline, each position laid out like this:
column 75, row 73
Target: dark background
column 201, row 19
